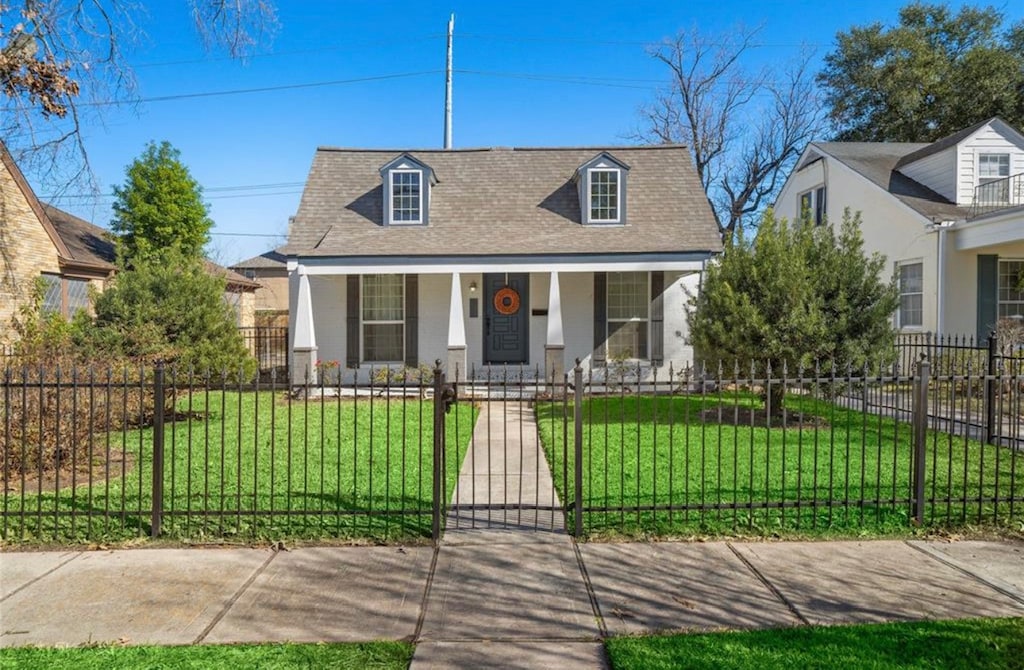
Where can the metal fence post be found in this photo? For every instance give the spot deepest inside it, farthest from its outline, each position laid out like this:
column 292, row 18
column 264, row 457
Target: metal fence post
column 435, row 527
column 158, row 450
column 990, row 390
column 578, row 448
column 920, row 437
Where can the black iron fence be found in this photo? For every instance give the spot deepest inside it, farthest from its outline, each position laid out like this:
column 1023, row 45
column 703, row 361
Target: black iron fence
column 269, row 346
column 97, row 455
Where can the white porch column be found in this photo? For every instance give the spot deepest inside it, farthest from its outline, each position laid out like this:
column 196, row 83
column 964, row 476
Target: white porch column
column 304, row 339
column 456, row 332
column 554, row 344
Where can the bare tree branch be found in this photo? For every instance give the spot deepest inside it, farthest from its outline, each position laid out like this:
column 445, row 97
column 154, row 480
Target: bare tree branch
column 744, row 129
column 56, row 55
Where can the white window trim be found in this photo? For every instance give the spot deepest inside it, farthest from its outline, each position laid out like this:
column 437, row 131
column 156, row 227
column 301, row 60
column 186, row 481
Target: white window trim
column 900, row 294
column 981, row 181
column 813, row 208
column 618, row 195
column 391, row 197
column 609, row 320
column 999, row 274
column 363, row 322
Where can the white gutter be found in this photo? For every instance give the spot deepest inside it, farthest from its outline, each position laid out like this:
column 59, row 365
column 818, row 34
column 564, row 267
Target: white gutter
column 942, row 227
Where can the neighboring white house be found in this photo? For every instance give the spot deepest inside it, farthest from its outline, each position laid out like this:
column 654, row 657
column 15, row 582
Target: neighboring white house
column 948, row 216
column 499, row 256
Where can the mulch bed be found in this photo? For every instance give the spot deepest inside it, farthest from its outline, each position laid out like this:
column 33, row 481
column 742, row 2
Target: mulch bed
column 82, row 474
column 730, row 415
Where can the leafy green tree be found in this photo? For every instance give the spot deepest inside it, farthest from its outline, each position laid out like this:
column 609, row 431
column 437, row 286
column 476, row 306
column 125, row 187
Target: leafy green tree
column 932, row 74
column 169, row 307
column 797, row 294
column 160, row 206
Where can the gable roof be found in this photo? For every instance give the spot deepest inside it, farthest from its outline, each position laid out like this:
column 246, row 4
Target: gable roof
column 943, row 143
column 30, row 196
column 90, row 244
column 878, row 163
column 272, row 259
column 501, row 201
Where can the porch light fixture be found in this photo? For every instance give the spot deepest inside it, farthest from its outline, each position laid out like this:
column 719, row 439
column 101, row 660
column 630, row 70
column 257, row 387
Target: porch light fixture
column 472, row 287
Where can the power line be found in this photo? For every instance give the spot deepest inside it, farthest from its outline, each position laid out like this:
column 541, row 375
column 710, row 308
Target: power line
column 245, row 235
column 240, row 187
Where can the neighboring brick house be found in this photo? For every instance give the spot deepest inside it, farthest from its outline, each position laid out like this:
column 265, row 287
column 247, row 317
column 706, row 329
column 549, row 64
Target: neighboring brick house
column 68, row 253
column 270, row 270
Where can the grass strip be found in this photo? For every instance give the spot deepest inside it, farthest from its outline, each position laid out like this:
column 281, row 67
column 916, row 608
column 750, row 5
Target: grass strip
column 375, row 655
column 975, row 643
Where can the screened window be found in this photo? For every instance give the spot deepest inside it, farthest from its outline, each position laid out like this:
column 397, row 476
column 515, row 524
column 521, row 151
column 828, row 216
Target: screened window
column 383, row 313
column 911, row 312
column 604, row 195
column 1011, row 288
column 406, row 200
column 993, row 170
column 628, row 314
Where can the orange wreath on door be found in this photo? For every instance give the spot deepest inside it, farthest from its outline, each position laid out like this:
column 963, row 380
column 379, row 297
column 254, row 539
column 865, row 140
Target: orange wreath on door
column 506, row 301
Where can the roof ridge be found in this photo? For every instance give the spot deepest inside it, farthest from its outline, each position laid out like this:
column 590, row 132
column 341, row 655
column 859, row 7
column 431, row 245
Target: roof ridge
column 438, row 150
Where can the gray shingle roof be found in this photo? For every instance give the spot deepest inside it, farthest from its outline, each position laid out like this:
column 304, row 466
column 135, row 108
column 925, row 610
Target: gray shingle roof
column 270, row 259
column 877, row 162
column 502, row 201
column 89, row 243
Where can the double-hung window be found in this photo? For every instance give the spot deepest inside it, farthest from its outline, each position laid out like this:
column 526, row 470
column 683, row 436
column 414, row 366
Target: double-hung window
column 406, row 196
column 1011, row 288
column 993, row 185
column 911, row 285
column 383, row 318
column 628, row 314
column 604, row 195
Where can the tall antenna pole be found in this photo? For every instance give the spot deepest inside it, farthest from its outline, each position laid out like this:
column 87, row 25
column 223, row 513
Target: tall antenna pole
column 448, row 88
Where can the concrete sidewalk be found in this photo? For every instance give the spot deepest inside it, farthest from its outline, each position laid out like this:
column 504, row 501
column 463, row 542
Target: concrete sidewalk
column 515, row 599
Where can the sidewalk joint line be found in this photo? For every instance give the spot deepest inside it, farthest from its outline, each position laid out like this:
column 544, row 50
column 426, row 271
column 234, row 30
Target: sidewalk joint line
column 978, row 578
column 771, row 587
column 426, row 596
column 234, row 599
column 601, row 626
column 45, row 574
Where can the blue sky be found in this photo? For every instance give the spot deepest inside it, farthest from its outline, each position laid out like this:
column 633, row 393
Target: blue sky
column 250, row 151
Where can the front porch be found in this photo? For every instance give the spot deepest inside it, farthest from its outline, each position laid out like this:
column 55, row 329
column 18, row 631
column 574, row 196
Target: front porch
column 531, row 318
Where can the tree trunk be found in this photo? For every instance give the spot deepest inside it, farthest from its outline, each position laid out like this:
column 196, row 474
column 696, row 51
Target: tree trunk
column 773, row 396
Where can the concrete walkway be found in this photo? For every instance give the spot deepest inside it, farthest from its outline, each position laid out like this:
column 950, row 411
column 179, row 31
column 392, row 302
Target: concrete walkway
column 498, row 592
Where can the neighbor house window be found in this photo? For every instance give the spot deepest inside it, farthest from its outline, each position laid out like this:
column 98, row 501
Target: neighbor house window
column 604, row 196
column 1011, row 288
column 383, row 313
column 628, row 314
column 993, row 170
column 406, row 196
column 911, row 279
column 64, row 295
column 812, row 205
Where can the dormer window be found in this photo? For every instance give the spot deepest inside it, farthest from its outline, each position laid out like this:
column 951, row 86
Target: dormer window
column 604, row 196
column 406, row 196
column 406, row 187
column 602, row 189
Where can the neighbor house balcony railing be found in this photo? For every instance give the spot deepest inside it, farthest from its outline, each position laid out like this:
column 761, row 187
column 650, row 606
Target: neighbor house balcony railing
column 998, row 195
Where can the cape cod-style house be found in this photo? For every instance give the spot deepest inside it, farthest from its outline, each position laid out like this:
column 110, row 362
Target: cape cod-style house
column 496, row 257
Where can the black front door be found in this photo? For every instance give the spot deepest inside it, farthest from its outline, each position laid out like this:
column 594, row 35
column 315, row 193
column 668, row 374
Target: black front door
column 506, row 318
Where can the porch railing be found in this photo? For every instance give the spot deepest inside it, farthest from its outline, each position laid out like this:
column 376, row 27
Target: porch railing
column 997, row 195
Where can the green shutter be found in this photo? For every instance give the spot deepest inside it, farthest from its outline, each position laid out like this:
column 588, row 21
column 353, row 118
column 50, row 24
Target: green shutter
column 988, row 278
column 657, row 318
column 600, row 317
column 352, row 322
column 412, row 311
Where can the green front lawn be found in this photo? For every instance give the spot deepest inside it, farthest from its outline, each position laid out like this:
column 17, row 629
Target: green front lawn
column 258, row 466
column 374, row 656
column 976, row 644
column 832, row 470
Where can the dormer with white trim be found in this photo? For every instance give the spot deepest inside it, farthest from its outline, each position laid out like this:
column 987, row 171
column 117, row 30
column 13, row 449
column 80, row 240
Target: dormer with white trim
column 406, row 186
column 601, row 184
